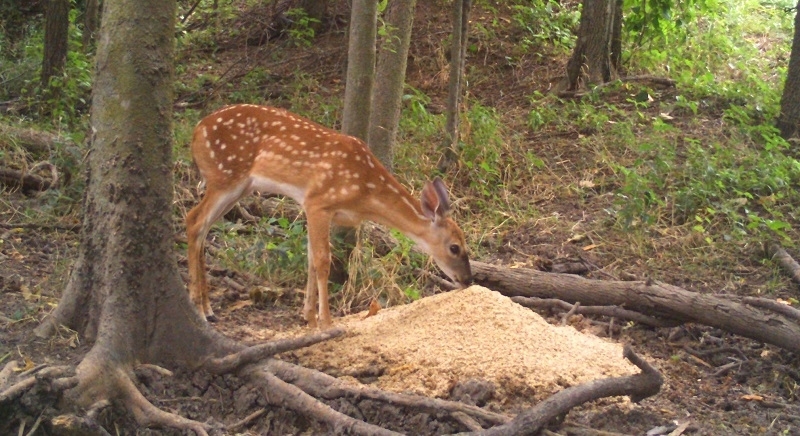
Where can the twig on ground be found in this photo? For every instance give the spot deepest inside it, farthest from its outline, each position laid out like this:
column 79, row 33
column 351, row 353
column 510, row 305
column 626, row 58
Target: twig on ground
column 444, row 284
column 722, row 370
column 572, row 311
column 711, row 352
column 246, row 420
column 611, row 311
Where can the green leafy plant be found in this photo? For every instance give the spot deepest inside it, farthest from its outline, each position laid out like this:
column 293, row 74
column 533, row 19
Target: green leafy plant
column 546, row 22
column 301, row 32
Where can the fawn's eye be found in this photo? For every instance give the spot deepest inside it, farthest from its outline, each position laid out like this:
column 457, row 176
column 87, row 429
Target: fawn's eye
column 455, row 249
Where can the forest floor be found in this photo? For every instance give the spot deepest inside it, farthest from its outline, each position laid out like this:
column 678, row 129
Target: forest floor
column 757, row 395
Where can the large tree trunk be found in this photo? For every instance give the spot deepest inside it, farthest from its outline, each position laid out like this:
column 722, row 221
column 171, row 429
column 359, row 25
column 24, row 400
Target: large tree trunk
column 389, row 80
column 789, row 119
column 56, row 35
column 591, row 62
column 360, row 68
column 125, row 293
column 458, row 53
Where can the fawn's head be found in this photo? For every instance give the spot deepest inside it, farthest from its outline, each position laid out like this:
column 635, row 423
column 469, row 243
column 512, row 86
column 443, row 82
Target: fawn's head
column 446, row 241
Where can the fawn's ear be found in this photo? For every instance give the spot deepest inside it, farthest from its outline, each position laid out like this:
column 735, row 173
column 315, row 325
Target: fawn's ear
column 435, row 201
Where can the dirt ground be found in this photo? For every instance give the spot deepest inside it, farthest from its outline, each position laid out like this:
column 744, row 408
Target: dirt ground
column 757, row 394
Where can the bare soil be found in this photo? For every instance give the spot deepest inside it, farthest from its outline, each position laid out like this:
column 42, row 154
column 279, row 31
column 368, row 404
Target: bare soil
column 472, row 345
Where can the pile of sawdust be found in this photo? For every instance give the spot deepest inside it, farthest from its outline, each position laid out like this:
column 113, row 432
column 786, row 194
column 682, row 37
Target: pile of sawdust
column 428, row 346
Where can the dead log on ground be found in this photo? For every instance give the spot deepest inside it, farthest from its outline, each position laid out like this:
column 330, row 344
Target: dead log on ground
column 649, row 297
column 39, row 144
column 28, row 183
column 785, row 261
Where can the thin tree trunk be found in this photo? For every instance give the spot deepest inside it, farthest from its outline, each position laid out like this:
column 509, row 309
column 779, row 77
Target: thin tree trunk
column 360, row 68
column 789, row 119
column 390, row 80
column 616, row 36
column 591, row 61
column 457, row 61
column 357, row 100
column 56, row 34
column 91, row 21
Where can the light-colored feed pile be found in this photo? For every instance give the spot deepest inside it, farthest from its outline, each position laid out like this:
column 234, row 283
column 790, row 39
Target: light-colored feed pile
column 427, row 346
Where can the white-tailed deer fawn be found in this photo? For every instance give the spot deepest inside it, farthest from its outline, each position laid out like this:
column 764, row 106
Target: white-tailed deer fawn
column 244, row 148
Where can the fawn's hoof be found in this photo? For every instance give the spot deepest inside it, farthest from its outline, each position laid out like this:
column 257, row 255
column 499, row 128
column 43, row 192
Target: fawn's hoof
column 212, row 318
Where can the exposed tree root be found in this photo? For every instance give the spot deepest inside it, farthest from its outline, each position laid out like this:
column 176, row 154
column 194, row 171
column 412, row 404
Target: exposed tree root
column 324, row 386
column 148, row 415
column 279, row 393
column 68, row 425
column 55, row 378
column 637, row 387
column 260, row 352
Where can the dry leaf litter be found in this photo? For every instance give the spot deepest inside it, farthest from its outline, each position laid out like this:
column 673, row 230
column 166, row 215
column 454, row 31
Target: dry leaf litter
column 429, row 345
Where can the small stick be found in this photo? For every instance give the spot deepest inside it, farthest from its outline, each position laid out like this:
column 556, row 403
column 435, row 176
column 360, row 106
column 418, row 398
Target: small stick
column 777, row 253
column 247, row 420
column 571, row 312
column 467, row 421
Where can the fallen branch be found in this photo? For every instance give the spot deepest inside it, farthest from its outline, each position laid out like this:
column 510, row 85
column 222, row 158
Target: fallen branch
column 611, row 311
column 652, row 298
column 765, row 303
column 637, row 387
column 27, row 183
column 777, row 253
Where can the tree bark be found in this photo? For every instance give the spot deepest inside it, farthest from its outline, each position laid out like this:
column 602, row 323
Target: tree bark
column 389, row 80
column 56, row 27
column 458, row 52
column 653, row 298
column 125, row 293
column 360, row 68
column 91, row 21
column 591, row 61
column 616, row 36
column 789, row 119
